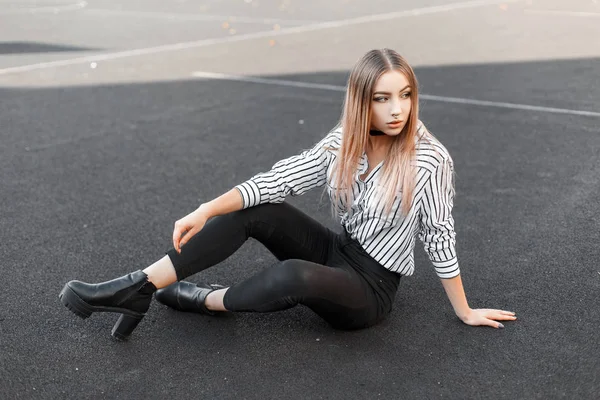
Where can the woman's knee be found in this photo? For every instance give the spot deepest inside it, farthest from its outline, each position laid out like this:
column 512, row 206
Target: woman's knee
column 290, row 276
column 254, row 217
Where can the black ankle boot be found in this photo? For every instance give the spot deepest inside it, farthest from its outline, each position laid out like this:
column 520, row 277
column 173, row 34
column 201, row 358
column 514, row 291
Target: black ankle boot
column 129, row 295
column 186, row 296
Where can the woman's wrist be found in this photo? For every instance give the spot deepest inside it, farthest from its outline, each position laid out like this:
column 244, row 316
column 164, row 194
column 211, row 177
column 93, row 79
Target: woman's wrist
column 205, row 210
column 224, row 204
column 456, row 295
column 464, row 314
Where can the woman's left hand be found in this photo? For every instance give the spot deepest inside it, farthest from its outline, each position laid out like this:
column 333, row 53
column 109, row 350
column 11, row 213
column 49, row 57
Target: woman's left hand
column 488, row 317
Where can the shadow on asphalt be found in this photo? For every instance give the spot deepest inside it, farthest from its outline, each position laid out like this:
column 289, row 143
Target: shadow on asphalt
column 35, row 47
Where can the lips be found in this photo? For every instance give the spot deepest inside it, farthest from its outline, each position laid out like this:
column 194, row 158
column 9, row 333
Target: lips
column 395, row 123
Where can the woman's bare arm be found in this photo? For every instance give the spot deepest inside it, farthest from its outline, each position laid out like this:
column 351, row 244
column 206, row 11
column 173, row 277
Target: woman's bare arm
column 224, row 204
column 456, row 295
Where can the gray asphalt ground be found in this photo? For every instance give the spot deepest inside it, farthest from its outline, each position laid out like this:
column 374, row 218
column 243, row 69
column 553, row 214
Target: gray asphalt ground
column 101, row 153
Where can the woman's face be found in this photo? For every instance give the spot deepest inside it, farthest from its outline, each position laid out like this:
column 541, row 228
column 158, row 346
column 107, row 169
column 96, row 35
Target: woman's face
column 391, row 103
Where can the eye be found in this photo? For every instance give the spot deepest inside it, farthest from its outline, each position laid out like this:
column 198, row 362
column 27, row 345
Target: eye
column 380, row 99
column 406, row 95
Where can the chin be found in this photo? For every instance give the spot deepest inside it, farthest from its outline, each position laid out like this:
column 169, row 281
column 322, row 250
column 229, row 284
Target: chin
column 392, row 132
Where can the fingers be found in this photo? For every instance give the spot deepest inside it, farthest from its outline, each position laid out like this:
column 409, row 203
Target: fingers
column 498, row 325
column 506, row 312
column 187, row 237
column 492, row 323
column 176, row 236
column 499, row 314
column 178, row 230
column 490, row 317
column 504, row 315
column 489, row 310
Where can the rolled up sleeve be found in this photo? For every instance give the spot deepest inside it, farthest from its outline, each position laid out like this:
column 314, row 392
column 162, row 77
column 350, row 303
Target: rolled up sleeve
column 437, row 224
column 291, row 176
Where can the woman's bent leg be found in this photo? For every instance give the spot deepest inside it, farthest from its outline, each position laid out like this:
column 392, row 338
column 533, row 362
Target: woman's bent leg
column 337, row 295
column 283, row 229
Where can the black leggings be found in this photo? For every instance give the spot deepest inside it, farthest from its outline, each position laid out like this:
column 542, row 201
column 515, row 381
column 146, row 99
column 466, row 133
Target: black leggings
column 327, row 272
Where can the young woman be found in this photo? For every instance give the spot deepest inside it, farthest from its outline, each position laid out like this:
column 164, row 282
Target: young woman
column 389, row 181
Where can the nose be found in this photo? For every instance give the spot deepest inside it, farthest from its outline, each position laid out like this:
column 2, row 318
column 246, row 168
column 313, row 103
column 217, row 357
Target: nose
column 395, row 108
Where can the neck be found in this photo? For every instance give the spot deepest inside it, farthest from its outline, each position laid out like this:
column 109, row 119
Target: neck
column 379, row 144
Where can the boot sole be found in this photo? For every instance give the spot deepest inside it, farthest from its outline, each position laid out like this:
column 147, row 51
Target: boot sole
column 82, row 309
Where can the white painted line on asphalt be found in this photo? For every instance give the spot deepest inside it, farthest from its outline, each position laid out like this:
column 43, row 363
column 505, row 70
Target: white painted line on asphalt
column 249, row 36
column 52, row 9
column 444, row 99
column 401, row 14
column 195, row 17
column 514, row 106
column 560, row 13
column 278, row 82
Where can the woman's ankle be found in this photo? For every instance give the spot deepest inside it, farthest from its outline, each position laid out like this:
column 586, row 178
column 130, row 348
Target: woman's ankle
column 161, row 273
column 214, row 300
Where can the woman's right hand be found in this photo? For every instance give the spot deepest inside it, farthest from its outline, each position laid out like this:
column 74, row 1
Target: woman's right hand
column 187, row 227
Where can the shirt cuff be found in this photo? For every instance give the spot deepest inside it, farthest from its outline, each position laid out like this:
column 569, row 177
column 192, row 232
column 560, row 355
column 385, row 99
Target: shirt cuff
column 447, row 269
column 250, row 193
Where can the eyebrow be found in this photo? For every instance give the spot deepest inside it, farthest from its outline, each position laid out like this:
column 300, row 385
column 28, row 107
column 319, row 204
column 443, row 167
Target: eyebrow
column 407, row 86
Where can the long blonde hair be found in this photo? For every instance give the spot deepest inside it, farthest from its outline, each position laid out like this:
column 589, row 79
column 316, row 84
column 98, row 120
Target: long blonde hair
column 398, row 173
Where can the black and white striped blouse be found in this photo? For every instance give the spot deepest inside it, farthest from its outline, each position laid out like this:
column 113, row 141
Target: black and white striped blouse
column 388, row 238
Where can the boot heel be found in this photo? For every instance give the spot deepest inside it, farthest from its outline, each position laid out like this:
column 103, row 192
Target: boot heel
column 125, row 326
